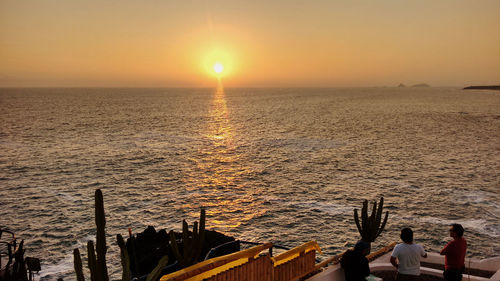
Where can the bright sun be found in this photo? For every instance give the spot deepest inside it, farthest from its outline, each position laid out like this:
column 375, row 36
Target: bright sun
column 218, row 68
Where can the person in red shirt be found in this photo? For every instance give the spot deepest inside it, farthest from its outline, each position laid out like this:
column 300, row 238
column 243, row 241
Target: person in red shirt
column 454, row 254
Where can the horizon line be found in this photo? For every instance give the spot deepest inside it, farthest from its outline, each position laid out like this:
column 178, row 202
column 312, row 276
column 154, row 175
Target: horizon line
column 230, row 87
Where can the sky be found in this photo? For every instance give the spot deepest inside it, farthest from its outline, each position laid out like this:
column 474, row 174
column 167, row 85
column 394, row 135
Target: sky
column 282, row 43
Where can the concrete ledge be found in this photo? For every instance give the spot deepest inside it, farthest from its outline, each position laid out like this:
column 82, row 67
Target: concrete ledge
column 382, row 263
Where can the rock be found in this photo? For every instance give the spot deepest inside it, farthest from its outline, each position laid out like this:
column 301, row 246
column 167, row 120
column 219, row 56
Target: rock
column 490, row 87
column 149, row 246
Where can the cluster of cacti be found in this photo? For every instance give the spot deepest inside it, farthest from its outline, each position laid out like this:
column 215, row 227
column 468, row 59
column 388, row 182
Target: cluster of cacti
column 97, row 257
column 191, row 246
column 131, row 252
column 18, row 267
column 371, row 226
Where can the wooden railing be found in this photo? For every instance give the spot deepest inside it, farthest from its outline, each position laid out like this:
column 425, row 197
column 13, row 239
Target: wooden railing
column 214, row 266
column 259, row 269
column 296, row 268
column 336, row 259
column 252, row 265
column 381, row 252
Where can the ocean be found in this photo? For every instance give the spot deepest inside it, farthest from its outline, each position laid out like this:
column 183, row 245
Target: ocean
column 282, row 165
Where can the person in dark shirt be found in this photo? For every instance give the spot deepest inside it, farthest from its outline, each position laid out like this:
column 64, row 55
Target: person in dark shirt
column 454, row 254
column 355, row 263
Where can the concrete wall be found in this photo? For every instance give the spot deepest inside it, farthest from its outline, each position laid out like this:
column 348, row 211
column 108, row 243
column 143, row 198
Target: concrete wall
column 336, row 273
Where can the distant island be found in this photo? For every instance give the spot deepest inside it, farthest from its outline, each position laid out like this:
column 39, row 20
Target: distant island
column 421, row 85
column 401, row 85
column 491, row 87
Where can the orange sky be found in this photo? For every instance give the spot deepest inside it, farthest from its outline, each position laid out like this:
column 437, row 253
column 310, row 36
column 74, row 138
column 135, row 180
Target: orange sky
column 160, row 43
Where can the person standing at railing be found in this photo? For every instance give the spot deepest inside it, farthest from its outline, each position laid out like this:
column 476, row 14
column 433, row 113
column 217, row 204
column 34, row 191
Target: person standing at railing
column 454, row 254
column 408, row 256
column 355, row 263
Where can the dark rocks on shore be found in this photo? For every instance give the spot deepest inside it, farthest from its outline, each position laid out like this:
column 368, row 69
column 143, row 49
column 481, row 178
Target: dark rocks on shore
column 489, row 87
column 148, row 247
column 401, row 85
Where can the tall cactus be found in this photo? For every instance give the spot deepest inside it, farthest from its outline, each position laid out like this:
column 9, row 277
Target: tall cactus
column 191, row 245
column 124, row 257
column 78, row 265
column 100, row 221
column 92, row 261
column 371, row 226
column 97, row 256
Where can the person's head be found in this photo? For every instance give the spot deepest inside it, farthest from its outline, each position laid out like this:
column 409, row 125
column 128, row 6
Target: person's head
column 362, row 247
column 456, row 230
column 407, row 235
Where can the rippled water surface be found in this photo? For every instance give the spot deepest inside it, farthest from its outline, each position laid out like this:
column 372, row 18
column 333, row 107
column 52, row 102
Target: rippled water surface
column 283, row 165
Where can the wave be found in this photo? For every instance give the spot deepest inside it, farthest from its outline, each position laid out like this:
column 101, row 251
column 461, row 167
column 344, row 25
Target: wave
column 63, row 266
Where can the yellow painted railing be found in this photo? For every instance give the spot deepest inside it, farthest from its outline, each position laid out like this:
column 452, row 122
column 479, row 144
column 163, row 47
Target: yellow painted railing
column 216, row 265
column 259, row 269
column 295, row 252
column 251, row 265
column 295, row 268
column 380, row 252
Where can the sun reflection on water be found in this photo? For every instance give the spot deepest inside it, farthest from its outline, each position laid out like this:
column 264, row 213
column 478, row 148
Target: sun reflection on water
column 221, row 189
column 220, row 128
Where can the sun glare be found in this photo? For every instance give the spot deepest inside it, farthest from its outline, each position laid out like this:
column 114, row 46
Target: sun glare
column 218, row 68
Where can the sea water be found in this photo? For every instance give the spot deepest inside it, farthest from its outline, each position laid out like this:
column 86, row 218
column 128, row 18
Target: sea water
column 280, row 165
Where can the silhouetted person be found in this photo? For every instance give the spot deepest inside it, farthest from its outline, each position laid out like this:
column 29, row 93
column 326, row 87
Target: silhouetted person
column 355, row 263
column 454, row 254
column 408, row 255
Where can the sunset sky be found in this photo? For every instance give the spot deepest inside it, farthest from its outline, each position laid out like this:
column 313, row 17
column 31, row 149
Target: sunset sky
column 286, row 43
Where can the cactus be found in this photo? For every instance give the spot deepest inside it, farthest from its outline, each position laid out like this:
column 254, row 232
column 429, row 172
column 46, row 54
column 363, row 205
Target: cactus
column 156, row 273
column 191, row 245
column 125, row 258
column 100, row 221
column 92, row 261
column 126, row 274
column 371, row 226
column 78, row 265
column 132, row 254
column 97, row 257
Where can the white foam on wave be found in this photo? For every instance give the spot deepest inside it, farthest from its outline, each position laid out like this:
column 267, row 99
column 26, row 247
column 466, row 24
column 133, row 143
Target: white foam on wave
column 480, row 225
column 51, row 272
column 155, row 139
column 271, row 198
column 66, row 197
column 488, row 201
column 60, row 196
column 304, row 143
column 65, row 265
column 329, row 208
column 487, row 227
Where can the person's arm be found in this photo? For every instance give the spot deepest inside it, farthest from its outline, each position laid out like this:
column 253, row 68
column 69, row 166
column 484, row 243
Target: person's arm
column 444, row 251
column 394, row 254
column 393, row 261
column 424, row 253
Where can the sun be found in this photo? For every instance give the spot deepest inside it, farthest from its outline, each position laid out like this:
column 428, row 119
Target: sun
column 218, row 67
